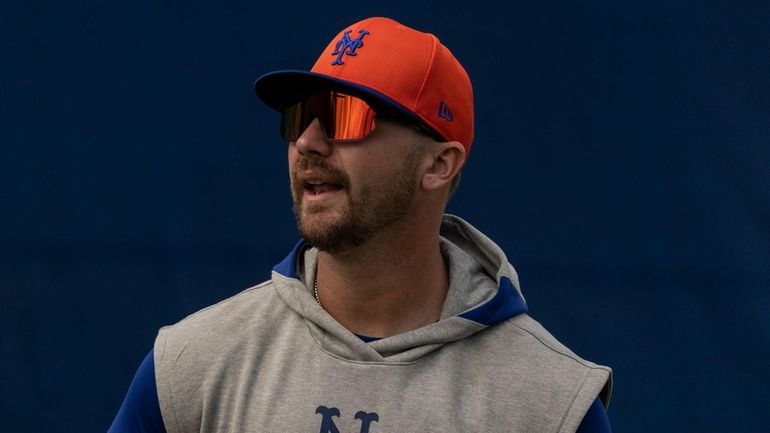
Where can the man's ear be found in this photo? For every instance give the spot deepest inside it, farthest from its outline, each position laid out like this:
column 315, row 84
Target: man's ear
column 447, row 159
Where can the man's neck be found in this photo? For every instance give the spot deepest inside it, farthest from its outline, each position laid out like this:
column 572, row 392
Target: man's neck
column 392, row 284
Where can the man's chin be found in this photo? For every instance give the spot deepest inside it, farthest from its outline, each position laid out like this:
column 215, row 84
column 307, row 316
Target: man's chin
column 318, row 218
column 331, row 236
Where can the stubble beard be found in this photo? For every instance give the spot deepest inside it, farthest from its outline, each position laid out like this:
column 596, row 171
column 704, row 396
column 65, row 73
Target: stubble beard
column 371, row 208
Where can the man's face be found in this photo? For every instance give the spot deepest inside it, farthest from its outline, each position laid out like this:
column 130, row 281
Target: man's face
column 344, row 193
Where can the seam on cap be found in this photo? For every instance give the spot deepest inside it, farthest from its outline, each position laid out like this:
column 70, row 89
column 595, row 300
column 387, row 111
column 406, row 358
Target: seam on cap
column 434, row 40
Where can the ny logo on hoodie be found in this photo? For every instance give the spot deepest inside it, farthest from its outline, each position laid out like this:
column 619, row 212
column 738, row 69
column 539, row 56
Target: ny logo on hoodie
column 327, row 423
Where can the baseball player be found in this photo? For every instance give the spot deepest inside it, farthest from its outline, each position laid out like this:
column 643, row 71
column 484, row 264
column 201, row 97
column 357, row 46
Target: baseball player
column 388, row 315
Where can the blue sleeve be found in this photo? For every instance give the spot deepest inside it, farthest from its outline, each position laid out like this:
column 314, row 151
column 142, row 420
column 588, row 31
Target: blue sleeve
column 596, row 420
column 140, row 411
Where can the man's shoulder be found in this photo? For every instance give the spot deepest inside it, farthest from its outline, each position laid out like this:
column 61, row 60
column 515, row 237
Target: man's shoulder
column 545, row 356
column 536, row 337
column 253, row 305
column 246, row 299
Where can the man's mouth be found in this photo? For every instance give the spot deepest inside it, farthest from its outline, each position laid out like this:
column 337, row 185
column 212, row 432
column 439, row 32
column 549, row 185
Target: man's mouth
column 314, row 187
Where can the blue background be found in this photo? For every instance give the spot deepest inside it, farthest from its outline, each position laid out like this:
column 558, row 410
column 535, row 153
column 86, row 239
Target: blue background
column 622, row 159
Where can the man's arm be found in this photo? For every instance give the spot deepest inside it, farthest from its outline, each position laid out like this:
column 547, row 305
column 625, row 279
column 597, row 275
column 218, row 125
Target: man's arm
column 596, row 420
column 140, row 411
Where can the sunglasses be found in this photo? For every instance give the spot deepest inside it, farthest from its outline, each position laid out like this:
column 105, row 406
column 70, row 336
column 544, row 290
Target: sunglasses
column 343, row 117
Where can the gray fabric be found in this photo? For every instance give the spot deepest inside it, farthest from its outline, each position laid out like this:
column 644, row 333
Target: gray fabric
column 271, row 359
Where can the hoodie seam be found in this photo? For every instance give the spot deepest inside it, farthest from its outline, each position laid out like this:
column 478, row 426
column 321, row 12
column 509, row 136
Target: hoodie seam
column 231, row 299
column 570, row 407
column 168, row 387
column 555, row 350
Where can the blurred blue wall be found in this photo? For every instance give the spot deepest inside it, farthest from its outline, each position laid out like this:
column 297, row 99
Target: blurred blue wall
column 622, row 160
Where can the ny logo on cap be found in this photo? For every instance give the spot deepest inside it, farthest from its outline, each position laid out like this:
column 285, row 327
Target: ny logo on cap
column 348, row 46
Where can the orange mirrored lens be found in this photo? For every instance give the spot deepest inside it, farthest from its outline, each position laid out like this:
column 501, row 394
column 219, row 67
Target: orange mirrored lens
column 352, row 118
column 342, row 117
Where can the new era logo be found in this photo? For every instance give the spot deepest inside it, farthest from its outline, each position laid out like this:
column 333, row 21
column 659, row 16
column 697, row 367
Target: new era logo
column 444, row 112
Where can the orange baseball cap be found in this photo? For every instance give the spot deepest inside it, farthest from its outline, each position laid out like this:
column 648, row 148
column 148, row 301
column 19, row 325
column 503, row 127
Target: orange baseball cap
column 381, row 60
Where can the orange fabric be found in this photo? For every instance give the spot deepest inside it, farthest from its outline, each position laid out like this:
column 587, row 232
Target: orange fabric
column 408, row 66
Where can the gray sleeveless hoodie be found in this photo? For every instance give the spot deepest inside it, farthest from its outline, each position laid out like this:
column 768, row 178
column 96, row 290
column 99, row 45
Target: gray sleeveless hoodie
column 270, row 359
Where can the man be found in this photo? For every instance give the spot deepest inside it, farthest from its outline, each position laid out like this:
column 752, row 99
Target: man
column 388, row 316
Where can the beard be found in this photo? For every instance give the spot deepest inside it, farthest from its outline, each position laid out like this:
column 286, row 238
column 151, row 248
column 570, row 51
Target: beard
column 371, row 207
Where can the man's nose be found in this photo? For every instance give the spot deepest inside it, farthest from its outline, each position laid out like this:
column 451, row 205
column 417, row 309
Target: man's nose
column 312, row 140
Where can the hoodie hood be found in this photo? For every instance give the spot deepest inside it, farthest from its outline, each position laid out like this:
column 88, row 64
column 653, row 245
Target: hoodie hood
column 483, row 291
